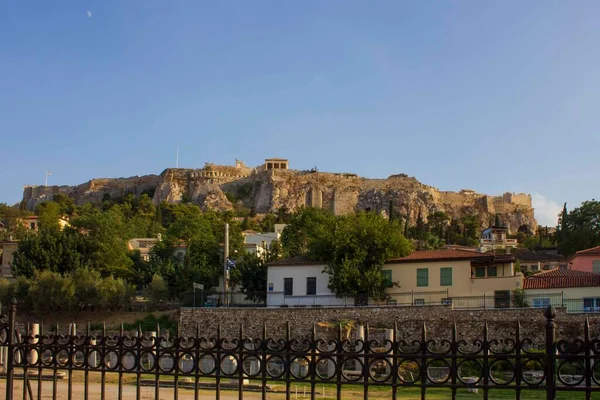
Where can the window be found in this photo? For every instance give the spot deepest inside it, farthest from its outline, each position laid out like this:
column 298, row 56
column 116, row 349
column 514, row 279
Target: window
column 419, row 302
column 479, row 272
column 270, row 287
column 591, row 304
column 523, row 268
column 288, row 286
column 492, row 271
column 535, row 267
column 445, row 276
column 32, row 225
column 387, row 275
column 311, row 286
column 596, row 266
column 447, row 302
column 542, row 302
column 422, row 277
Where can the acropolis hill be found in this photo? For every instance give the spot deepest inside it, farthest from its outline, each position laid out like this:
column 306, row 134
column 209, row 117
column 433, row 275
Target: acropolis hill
column 272, row 185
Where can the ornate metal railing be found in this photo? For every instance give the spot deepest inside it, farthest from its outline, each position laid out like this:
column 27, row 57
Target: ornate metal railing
column 122, row 365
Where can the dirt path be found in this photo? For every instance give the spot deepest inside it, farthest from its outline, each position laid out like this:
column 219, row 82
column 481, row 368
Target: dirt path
column 128, row 391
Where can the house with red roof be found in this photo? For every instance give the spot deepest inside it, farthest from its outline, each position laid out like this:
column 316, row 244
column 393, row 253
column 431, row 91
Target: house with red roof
column 446, row 276
column 586, row 260
column 450, row 276
column 577, row 290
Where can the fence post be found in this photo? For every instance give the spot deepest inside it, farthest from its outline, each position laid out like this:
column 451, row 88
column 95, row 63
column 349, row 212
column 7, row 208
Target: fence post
column 550, row 358
column 10, row 356
column 562, row 296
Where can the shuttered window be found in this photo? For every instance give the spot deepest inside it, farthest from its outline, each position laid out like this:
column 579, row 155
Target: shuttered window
column 422, row 277
column 445, row 276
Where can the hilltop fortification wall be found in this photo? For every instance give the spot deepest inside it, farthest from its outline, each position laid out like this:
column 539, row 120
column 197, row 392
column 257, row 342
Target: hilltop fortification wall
column 265, row 190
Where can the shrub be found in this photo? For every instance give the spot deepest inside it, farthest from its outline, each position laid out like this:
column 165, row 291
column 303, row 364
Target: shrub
column 157, row 290
column 87, row 288
column 49, row 291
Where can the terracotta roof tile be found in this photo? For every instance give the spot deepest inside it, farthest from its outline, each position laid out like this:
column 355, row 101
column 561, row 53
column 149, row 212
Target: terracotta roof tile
column 561, row 278
column 439, row 255
column 591, row 251
column 297, row 260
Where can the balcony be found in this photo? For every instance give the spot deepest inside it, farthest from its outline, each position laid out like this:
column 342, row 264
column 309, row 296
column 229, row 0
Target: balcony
column 505, row 242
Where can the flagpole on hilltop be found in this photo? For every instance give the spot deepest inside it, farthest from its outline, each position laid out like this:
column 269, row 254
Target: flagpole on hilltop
column 48, row 173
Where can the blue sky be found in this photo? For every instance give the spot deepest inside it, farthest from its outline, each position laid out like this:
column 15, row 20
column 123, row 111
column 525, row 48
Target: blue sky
column 493, row 96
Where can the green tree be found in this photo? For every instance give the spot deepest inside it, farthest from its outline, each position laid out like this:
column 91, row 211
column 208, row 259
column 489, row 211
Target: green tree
column 51, row 249
column 306, row 226
column 48, row 214
column 50, row 291
column 87, row 288
column 157, row 290
column 437, row 223
column 105, row 234
column 251, row 275
column 355, row 247
column 580, row 229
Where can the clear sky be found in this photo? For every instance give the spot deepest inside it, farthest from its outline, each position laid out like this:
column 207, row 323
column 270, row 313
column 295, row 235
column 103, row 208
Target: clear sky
column 493, row 96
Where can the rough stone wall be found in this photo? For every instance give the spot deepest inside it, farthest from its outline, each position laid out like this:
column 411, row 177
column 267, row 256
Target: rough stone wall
column 213, row 187
column 438, row 320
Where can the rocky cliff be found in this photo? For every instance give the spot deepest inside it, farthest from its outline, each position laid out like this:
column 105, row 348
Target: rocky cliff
column 265, row 190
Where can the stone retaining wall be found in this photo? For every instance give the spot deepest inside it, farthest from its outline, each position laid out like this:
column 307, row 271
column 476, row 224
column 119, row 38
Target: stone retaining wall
column 438, row 320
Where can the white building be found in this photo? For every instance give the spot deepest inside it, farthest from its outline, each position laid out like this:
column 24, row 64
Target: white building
column 257, row 242
column 298, row 281
column 494, row 238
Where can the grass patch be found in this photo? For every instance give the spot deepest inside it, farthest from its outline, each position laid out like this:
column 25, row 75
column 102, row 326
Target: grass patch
column 148, row 323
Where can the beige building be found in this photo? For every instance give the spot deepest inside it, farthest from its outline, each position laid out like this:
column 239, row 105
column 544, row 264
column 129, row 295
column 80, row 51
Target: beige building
column 450, row 276
column 143, row 245
column 578, row 291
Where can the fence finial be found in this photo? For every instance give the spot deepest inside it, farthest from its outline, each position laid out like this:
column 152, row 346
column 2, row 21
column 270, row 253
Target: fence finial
column 550, row 312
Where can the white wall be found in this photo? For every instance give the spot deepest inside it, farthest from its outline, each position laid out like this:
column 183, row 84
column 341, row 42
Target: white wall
column 299, row 273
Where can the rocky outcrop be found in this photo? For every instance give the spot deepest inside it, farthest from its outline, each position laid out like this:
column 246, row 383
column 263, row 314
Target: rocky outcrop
column 265, row 191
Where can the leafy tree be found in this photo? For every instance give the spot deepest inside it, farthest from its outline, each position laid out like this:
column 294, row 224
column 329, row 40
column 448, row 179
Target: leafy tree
column 66, row 205
column 116, row 293
column 143, row 271
column 157, row 291
column 48, row 214
column 251, row 274
column 580, row 228
column 306, row 226
column 106, row 238
column 87, row 288
column 50, row 291
column 437, row 223
column 51, row 249
column 355, row 247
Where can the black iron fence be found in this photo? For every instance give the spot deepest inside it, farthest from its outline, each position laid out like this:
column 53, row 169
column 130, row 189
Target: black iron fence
column 417, row 298
column 102, row 365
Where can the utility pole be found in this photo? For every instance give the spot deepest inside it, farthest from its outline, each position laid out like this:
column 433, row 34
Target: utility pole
column 226, row 266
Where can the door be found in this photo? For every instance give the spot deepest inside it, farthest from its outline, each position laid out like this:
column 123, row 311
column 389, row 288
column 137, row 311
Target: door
column 502, row 298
